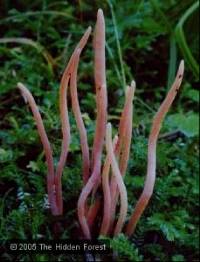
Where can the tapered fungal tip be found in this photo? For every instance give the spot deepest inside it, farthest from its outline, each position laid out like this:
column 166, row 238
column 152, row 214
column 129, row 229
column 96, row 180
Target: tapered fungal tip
column 22, row 89
column 20, row 85
column 181, row 66
column 133, row 84
column 84, row 39
column 89, row 29
column 87, row 33
column 100, row 16
column 130, row 89
column 180, row 72
column 100, row 12
column 182, row 62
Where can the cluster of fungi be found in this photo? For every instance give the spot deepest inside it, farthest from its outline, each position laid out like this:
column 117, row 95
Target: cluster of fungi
column 109, row 175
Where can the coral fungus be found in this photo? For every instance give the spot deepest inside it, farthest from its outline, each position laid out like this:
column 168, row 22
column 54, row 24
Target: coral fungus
column 108, row 175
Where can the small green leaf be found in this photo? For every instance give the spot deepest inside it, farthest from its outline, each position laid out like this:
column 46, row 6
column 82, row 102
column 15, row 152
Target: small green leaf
column 33, row 166
column 188, row 124
column 5, row 155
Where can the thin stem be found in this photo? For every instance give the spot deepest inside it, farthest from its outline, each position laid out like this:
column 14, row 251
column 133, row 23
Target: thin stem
column 82, row 202
column 172, row 61
column 92, row 212
column 151, row 164
column 123, row 149
column 181, row 40
column 118, row 44
column 119, row 180
column 36, row 13
column 100, row 85
column 46, row 146
column 145, row 105
column 110, row 53
column 64, row 117
column 101, row 100
column 79, row 120
column 106, row 193
column 163, row 17
column 26, row 41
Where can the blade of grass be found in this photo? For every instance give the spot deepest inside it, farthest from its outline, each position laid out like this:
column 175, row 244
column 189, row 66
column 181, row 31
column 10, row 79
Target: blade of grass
column 36, row 13
column 26, row 41
column 163, row 17
column 118, row 45
column 172, row 61
column 181, row 40
column 110, row 53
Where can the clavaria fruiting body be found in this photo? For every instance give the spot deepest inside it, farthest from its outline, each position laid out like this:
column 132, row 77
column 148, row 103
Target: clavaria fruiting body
column 110, row 175
column 151, row 162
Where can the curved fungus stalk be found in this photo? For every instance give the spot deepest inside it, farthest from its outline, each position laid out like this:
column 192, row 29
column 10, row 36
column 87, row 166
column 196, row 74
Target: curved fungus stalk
column 151, row 164
column 46, row 145
column 100, row 86
column 110, row 178
column 79, row 120
column 123, row 147
column 119, row 180
column 126, row 140
column 92, row 212
column 101, row 100
column 65, row 119
column 106, row 192
column 54, row 186
column 101, row 94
